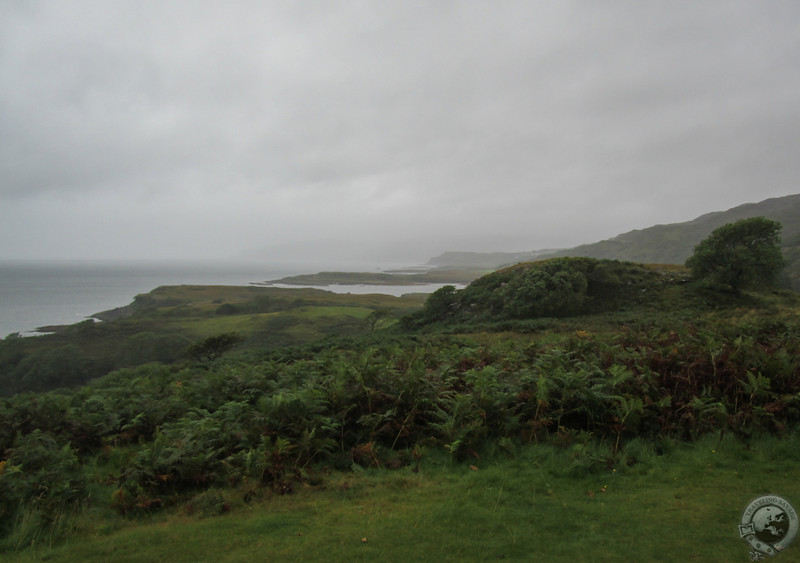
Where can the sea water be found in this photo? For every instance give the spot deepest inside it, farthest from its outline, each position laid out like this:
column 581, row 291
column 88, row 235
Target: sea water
column 38, row 294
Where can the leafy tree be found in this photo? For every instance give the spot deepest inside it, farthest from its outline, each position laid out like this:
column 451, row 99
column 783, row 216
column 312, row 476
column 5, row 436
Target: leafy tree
column 213, row 347
column 442, row 302
column 440, row 305
column 740, row 255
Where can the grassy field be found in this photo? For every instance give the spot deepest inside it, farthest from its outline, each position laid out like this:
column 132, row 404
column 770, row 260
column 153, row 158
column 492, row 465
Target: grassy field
column 543, row 503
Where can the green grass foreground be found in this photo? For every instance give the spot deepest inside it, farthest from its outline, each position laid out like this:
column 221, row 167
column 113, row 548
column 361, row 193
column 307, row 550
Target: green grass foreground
column 542, row 504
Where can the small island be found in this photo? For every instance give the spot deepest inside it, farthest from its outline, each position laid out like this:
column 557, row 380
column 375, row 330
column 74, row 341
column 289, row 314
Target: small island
column 435, row 275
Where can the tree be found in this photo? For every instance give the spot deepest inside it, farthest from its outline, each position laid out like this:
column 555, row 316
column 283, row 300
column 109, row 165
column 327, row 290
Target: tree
column 213, row 347
column 442, row 303
column 739, row 255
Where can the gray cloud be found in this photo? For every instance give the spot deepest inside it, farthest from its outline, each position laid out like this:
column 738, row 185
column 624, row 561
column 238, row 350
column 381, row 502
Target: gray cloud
column 213, row 129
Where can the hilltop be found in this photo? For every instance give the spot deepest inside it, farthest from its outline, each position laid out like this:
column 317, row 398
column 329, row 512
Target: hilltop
column 559, row 288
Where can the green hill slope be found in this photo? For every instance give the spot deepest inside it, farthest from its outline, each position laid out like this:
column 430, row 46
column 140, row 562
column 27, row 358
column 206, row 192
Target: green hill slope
column 674, row 243
column 660, row 244
column 557, row 288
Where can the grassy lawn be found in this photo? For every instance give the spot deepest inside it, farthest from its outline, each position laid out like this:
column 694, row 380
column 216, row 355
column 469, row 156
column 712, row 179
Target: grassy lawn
column 543, row 504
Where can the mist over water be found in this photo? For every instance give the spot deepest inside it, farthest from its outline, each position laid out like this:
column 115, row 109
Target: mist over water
column 36, row 294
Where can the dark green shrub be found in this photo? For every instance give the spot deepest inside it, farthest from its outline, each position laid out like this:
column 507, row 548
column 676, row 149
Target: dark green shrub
column 42, row 478
column 63, row 366
column 551, row 290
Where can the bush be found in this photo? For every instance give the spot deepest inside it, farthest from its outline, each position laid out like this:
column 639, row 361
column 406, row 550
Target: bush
column 41, row 478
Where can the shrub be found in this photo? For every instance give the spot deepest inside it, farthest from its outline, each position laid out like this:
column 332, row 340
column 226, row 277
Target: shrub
column 41, row 478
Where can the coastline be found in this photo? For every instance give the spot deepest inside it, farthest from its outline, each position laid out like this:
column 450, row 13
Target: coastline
column 39, row 298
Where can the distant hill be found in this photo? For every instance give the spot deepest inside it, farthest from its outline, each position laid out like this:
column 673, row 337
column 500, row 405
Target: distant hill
column 484, row 259
column 664, row 244
column 674, row 243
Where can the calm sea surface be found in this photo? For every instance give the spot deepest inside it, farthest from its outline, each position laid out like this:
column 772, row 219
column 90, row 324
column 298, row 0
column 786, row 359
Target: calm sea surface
column 35, row 294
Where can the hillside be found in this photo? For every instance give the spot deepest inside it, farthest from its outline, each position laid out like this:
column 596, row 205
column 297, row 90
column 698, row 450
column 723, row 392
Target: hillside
column 484, row 259
column 583, row 380
column 557, row 288
column 159, row 326
column 666, row 244
column 674, row 243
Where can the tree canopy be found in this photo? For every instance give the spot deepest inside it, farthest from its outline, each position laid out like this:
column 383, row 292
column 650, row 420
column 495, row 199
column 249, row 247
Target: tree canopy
column 740, row 255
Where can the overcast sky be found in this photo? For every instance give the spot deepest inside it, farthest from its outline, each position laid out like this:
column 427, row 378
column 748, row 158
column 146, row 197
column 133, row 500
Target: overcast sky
column 202, row 129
